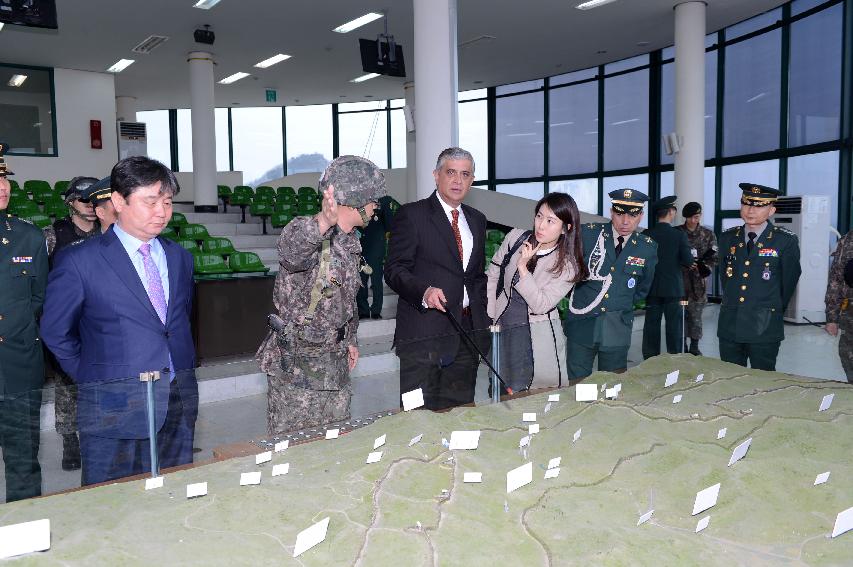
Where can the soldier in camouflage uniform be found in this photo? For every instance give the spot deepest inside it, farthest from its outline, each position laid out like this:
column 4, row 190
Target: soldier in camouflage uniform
column 703, row 246
column 312, row 347
column 838, row 299
column 65, row 232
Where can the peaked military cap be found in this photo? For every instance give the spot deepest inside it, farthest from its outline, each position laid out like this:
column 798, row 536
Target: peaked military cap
column 690, row 209
column 628, row 201
column 77, row 188
column 756, row 195
column 665, row 203
column 98, row 192
column 3, row 171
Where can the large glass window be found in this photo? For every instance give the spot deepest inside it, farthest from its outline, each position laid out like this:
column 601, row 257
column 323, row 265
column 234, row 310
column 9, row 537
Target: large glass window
column 760, row 172
column 573, row 129
column 519, row 136
column 309, row 138
column 534, row 191
column 626, row 120
column 365, row 133
column 583, row 191
column 667, row 188
column 816, row 174
column 474, row 134
column 157, row 133
column 221, row 125
column 751, row 99
column 398, row 138
column 815, row 77
column 26, row 110
column 753, row 24
column 185, row 140
column 257, row 143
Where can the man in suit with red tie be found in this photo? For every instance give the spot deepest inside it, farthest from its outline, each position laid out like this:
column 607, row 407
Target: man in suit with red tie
column 436, row 264
column 118, row 306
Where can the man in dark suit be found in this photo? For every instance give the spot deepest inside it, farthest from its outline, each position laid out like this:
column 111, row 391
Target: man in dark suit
column 436, row 264
column 667, row 289
column 118, row 306
column 373, row 245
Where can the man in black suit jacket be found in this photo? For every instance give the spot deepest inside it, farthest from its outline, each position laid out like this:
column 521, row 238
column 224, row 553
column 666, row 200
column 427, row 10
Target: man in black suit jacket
column 436, row 264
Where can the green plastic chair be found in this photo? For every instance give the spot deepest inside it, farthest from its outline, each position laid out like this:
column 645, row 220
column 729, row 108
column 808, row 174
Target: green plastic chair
column 18, row 193
column 286, row 199
column 495, row 235
column 218, row 245
column 40, row 220
column 280, row 220
column 190, row 246
column 60, row 186
column 491, row 248
column 14, row 185
column 170, row 233
column 285, row 208
column 264, row 191
column 242, row 196
column 24, row 209
column 197, row 232
column 263, row 210
column 305, row 190
column 40, row 190
column 303, row 209
column 286, row 191
column 209, row 264
column 178, row 220
column 224, row 193
column 245, row 262
column 55, row 207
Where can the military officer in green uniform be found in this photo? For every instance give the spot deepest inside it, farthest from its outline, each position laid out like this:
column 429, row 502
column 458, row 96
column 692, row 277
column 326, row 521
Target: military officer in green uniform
column 621, row 265
column 759, row 272
column 23, row 279
column 373, row 242
column 667, row 289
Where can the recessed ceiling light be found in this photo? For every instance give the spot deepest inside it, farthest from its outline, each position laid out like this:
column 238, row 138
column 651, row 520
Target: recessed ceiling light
column 120, row 65
column 358, row 22
column 1, row 25
column 478, row 82
column 232, row 78
column 363, row 78
column 272, row 61
column 17, row 80
column 205, row 4
column 593, row 4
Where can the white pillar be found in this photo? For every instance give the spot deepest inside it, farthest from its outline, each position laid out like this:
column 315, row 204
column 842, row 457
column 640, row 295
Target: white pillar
column 126, row 108
column 204, row 131
column 436, row 75
column 411, row 158
column 690, row 101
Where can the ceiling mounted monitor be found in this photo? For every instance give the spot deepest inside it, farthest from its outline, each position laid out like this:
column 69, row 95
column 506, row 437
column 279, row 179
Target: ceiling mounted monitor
column 30, row 13
column 382, row 56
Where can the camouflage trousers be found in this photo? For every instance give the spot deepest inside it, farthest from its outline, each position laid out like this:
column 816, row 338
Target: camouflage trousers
column 308, row 391
column 693, row 316
column 845, row 352
column 65, row 404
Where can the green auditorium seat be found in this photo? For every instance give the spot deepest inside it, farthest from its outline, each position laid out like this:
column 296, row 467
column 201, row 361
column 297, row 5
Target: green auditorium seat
column 14, row 184
column 304, row 209
column 224, row 193
column 286, row 192
column 170, row 233
column 218, row 245
column 263, row 210
column 55, row 207
column 210, row 265
column 287, row 199
column 197, row 232
column 242, row 196
column 265, row 191
column 40, row 190
column 246, row 262
column 285, row 207
column 60, row 186
column 279, row 220
column 305, row 190
column 190, row 246
column 17, row 193
column 178, row 220
column 491, row 248
column 494, row 235
column 40, row 220
column 24, row 209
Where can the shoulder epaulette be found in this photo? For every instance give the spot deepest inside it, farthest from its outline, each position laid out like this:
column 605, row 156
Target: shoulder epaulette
column 732, row 229
column 26, row 221
column 649, row 239
column 784, row 230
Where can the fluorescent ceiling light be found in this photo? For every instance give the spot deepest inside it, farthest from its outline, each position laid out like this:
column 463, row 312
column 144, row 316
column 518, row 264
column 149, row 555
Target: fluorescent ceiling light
column 120, row 65
column 272, row 61
column 17, row 80
column 366, row 77
column 205, row 4
column 1, row 25
column 358, row 22
column 232, row 78
column 593, row 4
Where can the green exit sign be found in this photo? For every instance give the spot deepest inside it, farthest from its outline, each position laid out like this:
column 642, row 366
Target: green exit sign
column 271, row 95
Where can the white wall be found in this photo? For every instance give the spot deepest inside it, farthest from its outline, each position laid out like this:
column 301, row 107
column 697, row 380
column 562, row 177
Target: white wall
column 80, row 96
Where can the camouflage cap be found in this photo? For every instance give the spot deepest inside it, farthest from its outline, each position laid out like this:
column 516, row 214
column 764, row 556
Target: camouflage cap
column 357, row 181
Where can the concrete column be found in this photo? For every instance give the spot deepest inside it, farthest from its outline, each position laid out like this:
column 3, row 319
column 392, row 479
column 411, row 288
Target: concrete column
column 436, row 75
column 204, row 131
column 126, row 109
column 690, row 101
column 411, row 158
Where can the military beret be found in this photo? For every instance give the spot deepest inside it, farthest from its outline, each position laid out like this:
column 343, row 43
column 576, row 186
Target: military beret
column 756, row 195
column 665, row 203
column 690, row 209
column 628, row 201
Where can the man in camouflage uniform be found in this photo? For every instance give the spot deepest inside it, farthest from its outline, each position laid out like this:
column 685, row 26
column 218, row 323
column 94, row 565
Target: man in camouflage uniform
column 312, row 348
column 65, row 232
column 703, row 246
column 838, row 303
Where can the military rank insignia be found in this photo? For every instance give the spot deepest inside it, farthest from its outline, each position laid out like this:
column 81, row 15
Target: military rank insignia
column 768, row 253
column 765, row 275
column 22, row 259
column 729, row 271
column 732, row 250
column 634, row 261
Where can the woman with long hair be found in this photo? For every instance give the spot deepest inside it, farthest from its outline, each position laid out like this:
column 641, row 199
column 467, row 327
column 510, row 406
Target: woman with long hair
column 528, row 276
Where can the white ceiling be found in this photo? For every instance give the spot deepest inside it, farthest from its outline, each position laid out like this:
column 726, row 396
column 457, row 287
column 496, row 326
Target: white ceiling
column 533, row 39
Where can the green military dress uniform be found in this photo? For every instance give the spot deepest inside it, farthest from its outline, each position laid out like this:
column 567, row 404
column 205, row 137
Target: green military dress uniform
column 758, row 281
column 667, row 289
column 23, row 279
column 373, row 245
column 600, row 317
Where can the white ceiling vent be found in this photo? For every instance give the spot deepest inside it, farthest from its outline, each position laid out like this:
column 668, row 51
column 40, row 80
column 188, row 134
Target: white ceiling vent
column 150, row 44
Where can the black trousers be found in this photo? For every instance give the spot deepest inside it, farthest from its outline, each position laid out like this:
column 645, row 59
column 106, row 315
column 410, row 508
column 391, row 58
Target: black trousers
column 19, row 437
column 670, row 308
column 445, row 382
column 761, row 356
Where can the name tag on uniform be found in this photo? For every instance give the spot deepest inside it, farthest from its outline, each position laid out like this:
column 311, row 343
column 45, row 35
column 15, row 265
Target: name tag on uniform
column 768, row 252
column 22, row 259
column 634, row 261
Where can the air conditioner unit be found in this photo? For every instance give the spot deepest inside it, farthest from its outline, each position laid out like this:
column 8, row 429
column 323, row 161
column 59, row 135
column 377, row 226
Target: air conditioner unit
column 132, row 140
column 808, row 218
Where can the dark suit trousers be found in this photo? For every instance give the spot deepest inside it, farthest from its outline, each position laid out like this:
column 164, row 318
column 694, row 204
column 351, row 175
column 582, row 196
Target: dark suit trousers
column 107, row 458
column 668, row 307
column 445, row 383
column 19, row 437
column 761, row 356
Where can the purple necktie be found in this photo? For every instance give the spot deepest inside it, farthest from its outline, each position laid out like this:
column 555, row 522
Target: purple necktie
column 155, row 284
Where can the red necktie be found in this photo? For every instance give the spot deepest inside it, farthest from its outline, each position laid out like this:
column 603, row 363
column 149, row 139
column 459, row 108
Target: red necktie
column 457, row 234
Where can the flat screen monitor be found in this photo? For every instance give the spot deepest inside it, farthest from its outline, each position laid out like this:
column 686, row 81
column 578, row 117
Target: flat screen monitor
column 375, row 61
column 31, row 13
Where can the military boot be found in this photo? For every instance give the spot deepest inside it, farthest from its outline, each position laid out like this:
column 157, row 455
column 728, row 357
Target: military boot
column 694, row 347
column 70, row 452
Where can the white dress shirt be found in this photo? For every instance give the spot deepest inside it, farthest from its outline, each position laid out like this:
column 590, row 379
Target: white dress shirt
column 132, row 244
column 467, row 240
